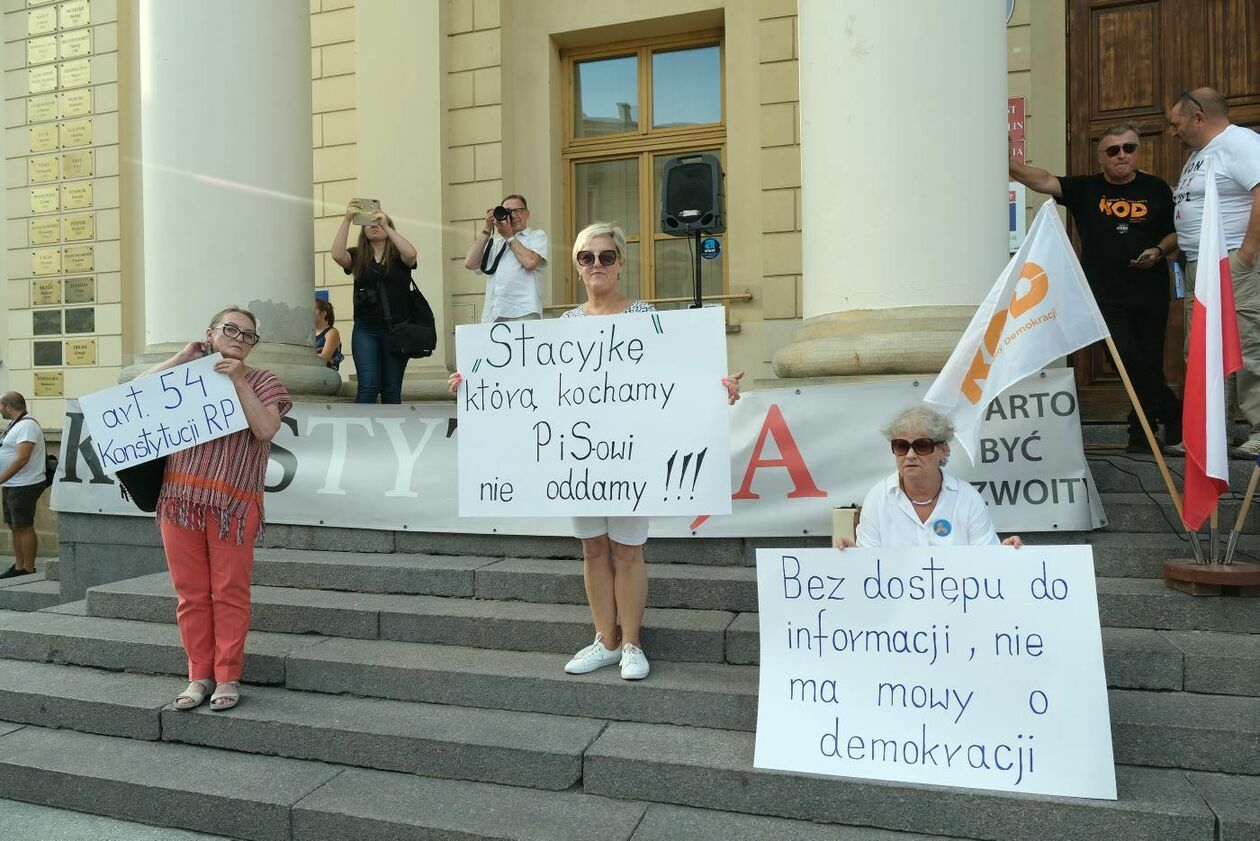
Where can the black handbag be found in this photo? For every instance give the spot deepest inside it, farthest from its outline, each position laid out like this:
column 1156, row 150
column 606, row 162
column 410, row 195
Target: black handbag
column 141, row 483
column 415, row 336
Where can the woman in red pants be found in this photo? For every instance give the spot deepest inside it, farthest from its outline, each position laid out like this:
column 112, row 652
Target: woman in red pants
column 210, row 512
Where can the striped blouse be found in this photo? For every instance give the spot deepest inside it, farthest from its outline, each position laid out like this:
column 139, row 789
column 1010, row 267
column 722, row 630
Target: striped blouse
column 222, row 478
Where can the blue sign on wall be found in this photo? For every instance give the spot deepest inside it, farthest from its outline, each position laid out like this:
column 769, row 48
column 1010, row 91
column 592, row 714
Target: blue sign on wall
column 710, row 248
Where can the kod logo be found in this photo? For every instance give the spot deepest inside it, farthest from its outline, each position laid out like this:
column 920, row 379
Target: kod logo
column 1123, row 208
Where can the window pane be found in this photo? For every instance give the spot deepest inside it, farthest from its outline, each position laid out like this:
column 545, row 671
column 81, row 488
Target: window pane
column 628, row 283
column 606, row 94
column 607, row 191
column 676, row 270
column 686, row 87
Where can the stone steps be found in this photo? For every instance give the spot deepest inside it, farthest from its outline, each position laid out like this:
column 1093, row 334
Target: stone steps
column 1138, row 513
column 1121, row 472
column 29, row 592
column 26, row 820
column 50, row 566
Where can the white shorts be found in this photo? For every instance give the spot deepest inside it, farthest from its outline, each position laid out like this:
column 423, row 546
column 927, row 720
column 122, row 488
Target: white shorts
column 628, row 531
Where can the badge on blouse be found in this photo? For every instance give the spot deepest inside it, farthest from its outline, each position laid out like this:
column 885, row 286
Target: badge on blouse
column 942, row 528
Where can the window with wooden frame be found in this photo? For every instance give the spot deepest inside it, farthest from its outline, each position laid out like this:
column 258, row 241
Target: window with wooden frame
column 629, row 108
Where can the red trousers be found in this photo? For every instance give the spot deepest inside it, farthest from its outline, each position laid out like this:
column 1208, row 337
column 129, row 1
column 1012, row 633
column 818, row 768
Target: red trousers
column 211, row 578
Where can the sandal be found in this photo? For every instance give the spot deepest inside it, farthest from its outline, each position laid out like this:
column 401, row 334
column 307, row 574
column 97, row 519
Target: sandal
column 226, row 696
column 194, row 695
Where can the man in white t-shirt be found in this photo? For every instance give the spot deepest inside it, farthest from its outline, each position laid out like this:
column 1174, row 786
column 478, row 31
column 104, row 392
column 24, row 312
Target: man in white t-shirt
column 22, row 457
column 1200, row 119
column 512, row 256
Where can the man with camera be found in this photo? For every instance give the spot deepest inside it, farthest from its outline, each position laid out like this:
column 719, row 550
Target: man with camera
column 512, row 256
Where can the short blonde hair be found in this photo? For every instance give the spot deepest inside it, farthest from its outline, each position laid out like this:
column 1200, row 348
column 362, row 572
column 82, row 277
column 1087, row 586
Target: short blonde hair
column 930, row 422
column 601, row 229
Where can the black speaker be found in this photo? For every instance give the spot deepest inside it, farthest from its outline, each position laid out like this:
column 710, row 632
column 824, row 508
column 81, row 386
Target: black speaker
column 691, row 196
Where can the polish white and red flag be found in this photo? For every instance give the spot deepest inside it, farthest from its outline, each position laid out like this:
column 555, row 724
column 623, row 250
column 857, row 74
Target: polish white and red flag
column 1215, row 353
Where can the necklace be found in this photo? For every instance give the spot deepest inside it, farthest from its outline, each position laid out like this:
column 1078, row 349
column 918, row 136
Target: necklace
column 927, row 501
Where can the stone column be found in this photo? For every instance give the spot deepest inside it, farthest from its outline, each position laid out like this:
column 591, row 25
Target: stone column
column 225, row 124
column 904, row 186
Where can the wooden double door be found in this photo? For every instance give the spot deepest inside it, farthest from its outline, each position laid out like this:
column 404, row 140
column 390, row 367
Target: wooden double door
column 1127, row 61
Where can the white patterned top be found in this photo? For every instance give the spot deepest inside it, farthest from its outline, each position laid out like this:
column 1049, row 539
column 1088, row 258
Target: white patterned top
column 635, row 306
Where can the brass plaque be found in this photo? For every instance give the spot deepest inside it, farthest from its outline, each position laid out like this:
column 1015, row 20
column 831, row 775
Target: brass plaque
column 76, row 195
column 45, row 229
column 76, row 133
column 41, row 21
column 45, row 292
column 44, row 200
column 46, row 353
column 76, row 44
column 76, row 103
column 77, row 73
column 80, row 259
column 42, row 168
column 41, row 50
column 43, row 138
column 80, row 290
column 41, row 79
column 40, row 109
column 50, row 384
column 75, row 13
column 78, row 164
column 46, row 261
column 78, row 227
column 46, row 322
column 81, row 352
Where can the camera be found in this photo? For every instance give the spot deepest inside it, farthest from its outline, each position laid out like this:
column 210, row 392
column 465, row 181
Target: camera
column 364, row 297
column 502, row 213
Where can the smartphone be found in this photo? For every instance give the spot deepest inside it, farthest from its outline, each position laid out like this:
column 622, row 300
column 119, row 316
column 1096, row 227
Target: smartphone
column 366, row 208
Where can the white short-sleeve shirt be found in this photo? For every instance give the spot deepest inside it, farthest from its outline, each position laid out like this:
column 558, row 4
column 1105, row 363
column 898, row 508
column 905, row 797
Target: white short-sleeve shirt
column 24, row 430
column 960, row 517
column 1236, row 152
column 512, row 291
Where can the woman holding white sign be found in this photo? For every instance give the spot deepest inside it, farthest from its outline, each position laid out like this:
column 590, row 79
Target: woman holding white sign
column 921, row 504
column 211, row 510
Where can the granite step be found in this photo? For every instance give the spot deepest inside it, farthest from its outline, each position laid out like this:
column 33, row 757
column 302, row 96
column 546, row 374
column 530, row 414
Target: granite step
column 89, row 700
column 29, row 592
column 1184, row 730
column 670, row 634
column 1138, row 513
column 1134, row 555
column 671, row 823
column 50, row 566
column 1149, row 603
column 44, row 823
column 1121, row 472
column 433, row 575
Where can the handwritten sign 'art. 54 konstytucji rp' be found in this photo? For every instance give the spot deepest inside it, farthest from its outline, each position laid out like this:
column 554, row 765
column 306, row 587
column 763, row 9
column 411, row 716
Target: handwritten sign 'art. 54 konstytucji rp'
column 162, row 413
column 619, row 415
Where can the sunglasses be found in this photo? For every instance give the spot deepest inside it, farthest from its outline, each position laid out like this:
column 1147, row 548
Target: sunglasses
column 230, row 330
column 1112, row 151
column 587, row 258
column 921, row 446
column 1187, row 95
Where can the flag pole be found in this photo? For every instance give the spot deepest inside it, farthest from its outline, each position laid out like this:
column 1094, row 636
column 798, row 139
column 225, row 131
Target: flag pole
column 1213, row 522
column 1232, row 543
column 1150, row 440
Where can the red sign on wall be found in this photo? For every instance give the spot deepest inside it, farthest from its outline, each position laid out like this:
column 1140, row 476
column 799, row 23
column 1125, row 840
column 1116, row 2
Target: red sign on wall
column 1015, row 126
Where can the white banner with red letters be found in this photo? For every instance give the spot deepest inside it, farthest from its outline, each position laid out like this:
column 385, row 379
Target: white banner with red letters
column 796, row 453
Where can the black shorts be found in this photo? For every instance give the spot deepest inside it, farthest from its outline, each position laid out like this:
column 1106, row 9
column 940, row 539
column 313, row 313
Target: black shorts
column 19, row 505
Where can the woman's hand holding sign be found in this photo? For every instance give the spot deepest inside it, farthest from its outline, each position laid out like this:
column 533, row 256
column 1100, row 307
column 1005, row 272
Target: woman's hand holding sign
column 732, row 387
column 453, row 381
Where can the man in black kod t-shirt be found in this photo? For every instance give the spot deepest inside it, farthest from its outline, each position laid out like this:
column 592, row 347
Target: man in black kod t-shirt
column 1124, row 219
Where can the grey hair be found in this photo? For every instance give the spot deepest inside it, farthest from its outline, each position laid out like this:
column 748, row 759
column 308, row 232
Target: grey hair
column 1119, row 130
column 600, row 229
column 933, row 424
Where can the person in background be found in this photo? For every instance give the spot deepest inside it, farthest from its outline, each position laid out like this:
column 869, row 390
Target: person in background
column 920, row 504
column 210, row 512
column 22, row 457
column 381, row 265
column 512, row 257
column 327, row 337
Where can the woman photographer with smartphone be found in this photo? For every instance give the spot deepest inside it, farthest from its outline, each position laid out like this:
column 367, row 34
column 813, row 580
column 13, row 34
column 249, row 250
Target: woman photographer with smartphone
column 381, row 264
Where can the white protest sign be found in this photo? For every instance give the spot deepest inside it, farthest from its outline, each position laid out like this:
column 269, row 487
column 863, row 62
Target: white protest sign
column 161, row 414
column 978, row 667
column 603, row 416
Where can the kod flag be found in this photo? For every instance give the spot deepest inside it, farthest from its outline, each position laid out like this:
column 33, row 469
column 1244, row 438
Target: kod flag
column 1039, row 310
column 1215, row 353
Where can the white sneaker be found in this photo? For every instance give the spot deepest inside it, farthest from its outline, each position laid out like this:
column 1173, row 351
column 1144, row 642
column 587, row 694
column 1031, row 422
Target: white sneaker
column 1247, row 449
column 593, row 657
column 634, row 664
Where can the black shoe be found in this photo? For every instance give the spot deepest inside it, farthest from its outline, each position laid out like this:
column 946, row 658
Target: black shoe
column 1172, row 432
column 12, row 572
column 1137, row 442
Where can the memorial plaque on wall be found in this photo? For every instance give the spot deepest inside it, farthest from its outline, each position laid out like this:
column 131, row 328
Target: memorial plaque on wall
column 45, row 292
column 78, row 227
column 40, row 109
column 46, row 322
column 81, row 320
column 76, row 44
column 77, row 73
column 41, row 79
column 46, row 261
column 80, row 290
column 75, row 13
column 41, row 21
column 76, row 103
column 42, row 138
column 45, row 229
column 81, row 352
column 77, row 194
column 44, row 200
column 80, row 259
column 76, row 133
column 78, row 164
column 46, row 353
column 43, row 168
column 50, row 384
column 41, row 50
